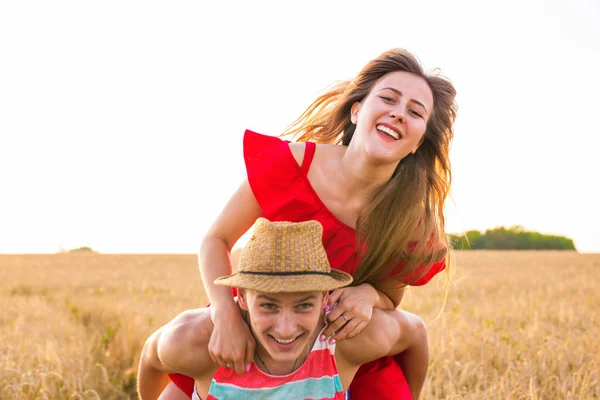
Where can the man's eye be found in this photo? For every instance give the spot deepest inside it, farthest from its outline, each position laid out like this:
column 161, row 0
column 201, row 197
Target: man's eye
column 304, row 306
column 268, row 306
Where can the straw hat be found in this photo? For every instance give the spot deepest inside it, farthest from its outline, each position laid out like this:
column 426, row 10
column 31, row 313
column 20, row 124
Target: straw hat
column 285, row 257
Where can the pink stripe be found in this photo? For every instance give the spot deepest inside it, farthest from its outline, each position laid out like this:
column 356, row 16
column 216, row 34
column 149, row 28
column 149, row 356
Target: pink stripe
column 318, row 364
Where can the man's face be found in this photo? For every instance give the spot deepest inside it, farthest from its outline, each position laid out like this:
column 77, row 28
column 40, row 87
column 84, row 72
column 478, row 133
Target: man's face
column 284, row 323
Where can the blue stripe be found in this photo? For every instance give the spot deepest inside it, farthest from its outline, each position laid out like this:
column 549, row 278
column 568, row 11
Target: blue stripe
column 312, row 388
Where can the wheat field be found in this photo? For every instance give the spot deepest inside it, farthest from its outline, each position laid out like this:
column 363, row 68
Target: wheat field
column 516, row 325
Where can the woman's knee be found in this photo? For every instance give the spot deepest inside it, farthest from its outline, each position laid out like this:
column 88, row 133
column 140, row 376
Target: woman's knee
column 414, row 329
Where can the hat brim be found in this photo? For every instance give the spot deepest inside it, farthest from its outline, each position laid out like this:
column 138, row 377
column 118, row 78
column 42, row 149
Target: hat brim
column 286, row 284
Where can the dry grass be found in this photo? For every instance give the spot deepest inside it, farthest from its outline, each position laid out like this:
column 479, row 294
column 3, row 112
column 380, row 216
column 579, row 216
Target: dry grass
column 517, row 325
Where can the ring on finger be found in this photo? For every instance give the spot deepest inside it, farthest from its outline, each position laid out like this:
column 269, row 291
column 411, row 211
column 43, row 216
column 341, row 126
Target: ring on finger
column 346, row 318
column 228, row 365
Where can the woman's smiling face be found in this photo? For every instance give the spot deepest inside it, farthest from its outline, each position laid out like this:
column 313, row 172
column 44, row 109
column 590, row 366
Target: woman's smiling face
column 391, row 120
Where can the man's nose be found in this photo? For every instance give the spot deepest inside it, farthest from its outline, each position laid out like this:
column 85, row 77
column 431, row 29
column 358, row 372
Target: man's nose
column 285, row 326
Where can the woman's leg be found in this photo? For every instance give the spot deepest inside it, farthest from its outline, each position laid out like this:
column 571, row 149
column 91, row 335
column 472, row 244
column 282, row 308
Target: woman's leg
column 173, row 392
column 184, row 383
column 414, row 361
column 400, row 377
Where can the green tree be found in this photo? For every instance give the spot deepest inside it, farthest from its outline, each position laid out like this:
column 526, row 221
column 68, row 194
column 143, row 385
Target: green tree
column 83, row 249
column 513, row 238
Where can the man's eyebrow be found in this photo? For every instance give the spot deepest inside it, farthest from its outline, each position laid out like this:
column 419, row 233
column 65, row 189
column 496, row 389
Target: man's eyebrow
column 309, row 297
column 400, row 94
column 273, row 300
column 263, row 296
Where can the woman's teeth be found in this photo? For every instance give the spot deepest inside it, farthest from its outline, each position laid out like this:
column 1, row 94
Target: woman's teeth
column 388, row 131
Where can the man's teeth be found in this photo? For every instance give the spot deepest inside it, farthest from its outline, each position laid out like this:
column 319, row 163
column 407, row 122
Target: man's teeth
column 389, row 131
column 284, row 341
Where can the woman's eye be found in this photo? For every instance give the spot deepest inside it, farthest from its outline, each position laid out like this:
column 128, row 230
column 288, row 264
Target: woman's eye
column 386, row 99
column 416, row 113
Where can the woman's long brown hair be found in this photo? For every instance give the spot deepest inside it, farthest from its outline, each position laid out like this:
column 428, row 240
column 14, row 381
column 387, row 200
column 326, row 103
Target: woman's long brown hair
column 404, row 222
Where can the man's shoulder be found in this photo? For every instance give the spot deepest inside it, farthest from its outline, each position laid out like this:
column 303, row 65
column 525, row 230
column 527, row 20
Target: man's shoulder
column 191, row 328
column 182, row 344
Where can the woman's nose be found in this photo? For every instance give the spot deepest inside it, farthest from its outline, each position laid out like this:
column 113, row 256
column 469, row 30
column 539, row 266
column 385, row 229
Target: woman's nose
column 397, row 114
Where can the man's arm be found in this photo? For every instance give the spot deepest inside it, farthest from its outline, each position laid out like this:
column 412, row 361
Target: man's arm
column 385, row 335
column 152, row 378
column 181, row 346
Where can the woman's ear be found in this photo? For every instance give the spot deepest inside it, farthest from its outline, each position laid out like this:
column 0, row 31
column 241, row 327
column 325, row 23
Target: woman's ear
column 418, row 144
column 242, row 299
column 354, row 112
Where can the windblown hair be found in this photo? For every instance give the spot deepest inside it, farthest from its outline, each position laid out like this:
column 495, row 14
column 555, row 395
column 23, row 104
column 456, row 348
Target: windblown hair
column 403, row 225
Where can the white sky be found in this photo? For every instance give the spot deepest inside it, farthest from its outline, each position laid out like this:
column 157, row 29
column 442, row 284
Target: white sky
column 121, row 121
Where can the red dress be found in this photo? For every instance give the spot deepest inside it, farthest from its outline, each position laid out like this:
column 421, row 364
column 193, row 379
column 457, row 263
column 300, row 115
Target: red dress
column 284, row 193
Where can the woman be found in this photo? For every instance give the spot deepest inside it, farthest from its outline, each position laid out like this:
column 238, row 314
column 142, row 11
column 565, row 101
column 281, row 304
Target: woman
column 376, row 179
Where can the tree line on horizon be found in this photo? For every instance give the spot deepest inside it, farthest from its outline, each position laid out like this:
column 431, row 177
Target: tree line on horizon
column 513, row 238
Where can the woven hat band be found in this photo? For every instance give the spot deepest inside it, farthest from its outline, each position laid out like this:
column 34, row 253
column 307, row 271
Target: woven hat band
column 285, row 273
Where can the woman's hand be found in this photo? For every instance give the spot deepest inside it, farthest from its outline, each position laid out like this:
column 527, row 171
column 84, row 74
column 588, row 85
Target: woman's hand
column 231, row 344
column 350, row 310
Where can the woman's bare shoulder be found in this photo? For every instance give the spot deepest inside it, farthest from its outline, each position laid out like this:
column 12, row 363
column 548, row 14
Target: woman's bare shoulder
column 322, row 152
column 297, row 150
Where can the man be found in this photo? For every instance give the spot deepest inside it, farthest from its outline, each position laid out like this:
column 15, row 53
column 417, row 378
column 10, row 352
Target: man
column 283, row 283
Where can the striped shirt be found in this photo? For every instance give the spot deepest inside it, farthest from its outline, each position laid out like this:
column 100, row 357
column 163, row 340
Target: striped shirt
column 317, row 378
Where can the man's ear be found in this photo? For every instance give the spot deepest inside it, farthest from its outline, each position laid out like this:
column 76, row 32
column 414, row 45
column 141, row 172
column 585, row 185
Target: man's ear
column 325, row 299
column 242, row 299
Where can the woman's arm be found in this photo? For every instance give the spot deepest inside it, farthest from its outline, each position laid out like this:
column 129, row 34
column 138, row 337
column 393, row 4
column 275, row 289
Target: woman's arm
column 238, row 215
column 231, row 342
column 351, row 309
